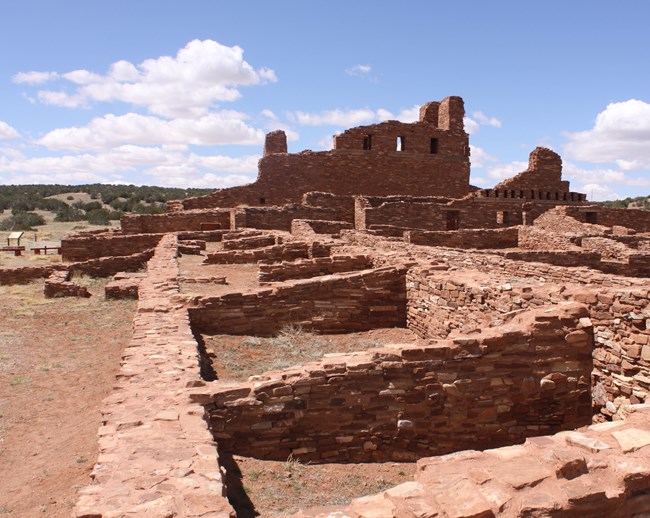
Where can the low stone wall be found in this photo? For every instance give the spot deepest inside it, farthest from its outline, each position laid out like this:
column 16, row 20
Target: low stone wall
column 482, row 238
column 310, row 227
column 248, row 243
column 404, row 402
column 174, row 221
column 598, row 471
column 306, row 268
column 538, row 238
column 58, row 285
column 109, row 244
column 156, row 456
column 27, row 274
column 350, row 302
column 279, row 218
column 285, row 252
column 439, row 304
column 569, row 258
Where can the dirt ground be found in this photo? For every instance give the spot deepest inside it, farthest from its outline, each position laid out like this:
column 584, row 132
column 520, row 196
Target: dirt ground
column 58, row 358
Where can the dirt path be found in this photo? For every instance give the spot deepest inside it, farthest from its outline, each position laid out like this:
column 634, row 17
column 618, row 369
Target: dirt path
column 58, row 358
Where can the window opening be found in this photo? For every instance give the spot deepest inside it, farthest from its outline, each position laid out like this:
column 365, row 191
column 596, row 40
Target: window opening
column 262, row 201
column 434, row 146
column 592, row 217
column 367, row 142
column 399, row 145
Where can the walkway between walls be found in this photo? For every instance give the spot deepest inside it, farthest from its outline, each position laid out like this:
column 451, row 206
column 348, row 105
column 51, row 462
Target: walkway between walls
column 156, row 455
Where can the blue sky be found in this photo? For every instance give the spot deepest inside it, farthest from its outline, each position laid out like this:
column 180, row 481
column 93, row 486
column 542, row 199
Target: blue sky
column 182, row 93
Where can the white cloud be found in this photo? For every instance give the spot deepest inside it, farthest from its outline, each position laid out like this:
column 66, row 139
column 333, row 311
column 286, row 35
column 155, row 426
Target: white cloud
column 484, row 120
column 621, row 135
column 186, row 85
column 359, row 70
column 480, row 181
column 602, row 176
column 223, row 127
column 342, row 118
column 34, row 77
column 168, row 165
column 479, row 157
column 471, row 126
column 503, row 171
column 7, row 132
column 598, row 192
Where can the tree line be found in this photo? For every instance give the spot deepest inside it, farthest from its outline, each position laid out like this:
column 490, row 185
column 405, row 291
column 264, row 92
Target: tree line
column 108, row 202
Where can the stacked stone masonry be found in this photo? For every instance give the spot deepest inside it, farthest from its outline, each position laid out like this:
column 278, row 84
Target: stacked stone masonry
column 403, row 402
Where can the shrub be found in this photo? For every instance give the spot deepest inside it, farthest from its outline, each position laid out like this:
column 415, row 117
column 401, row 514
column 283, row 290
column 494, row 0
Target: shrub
column 22, row 221
column 69, row 214
column 98, row 217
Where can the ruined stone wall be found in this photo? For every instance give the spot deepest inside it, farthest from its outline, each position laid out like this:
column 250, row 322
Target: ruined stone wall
column 536, row 238
column 350, row 302
column 484, row 238
column 285, row 252
column 596, row 471
column 174, row 221
column 156, row 456
column 343, row 205
column 570, row 258
column 82, row 248
column 402, row 402
column 279, row 218
column 306, row 268
column 438, row 304
column 312, row 227
column 429, row 157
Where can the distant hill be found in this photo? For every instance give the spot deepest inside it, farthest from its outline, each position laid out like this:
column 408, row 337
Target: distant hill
column 640, row 202
column 94, row 203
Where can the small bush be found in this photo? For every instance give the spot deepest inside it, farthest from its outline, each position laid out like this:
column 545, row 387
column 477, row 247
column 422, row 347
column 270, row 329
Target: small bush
column 69, row 214
column 22, row 221
column 98, row 217
column 70, row 197
column 93, row 205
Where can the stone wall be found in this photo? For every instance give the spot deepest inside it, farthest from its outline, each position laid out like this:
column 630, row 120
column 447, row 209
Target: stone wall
column 84, row 247
column 156, row 456
column 439, row 304
column 403, row 402
column 306, row 268
column 343, row 303
column 279, row 218
column 597, row 471
column 174, row 221
column 433, row 159
column 484, row 238
column 58, row 285
column 312, row 227
column 569, row 258
column 541, row 238
column 284, row 252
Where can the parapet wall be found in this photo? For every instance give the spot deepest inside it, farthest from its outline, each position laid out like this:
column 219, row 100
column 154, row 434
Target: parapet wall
column 403, row 402
column 279, row 218
column 343, row 303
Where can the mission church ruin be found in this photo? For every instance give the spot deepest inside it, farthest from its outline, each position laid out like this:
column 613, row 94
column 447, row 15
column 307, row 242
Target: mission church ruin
column 523, row 392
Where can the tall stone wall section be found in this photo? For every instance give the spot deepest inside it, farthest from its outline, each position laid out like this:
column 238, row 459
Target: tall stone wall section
column 484, row 238
column 307, row 268
column 404, row 402
column 350, row 302
column 156, row 456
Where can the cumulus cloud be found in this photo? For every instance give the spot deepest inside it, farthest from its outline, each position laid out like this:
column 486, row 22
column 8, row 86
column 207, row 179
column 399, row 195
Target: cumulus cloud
column 484, row 120
column 185, row 85
column 599, row 192
column 344, row 118
column 34, row 77
column 167, row 165
column 7, row 132
column 602, row 176
column 223, row 127
column 621, row 135
column 359, row 70
column 480, row 157
column 471, row 126
column 503, row 171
